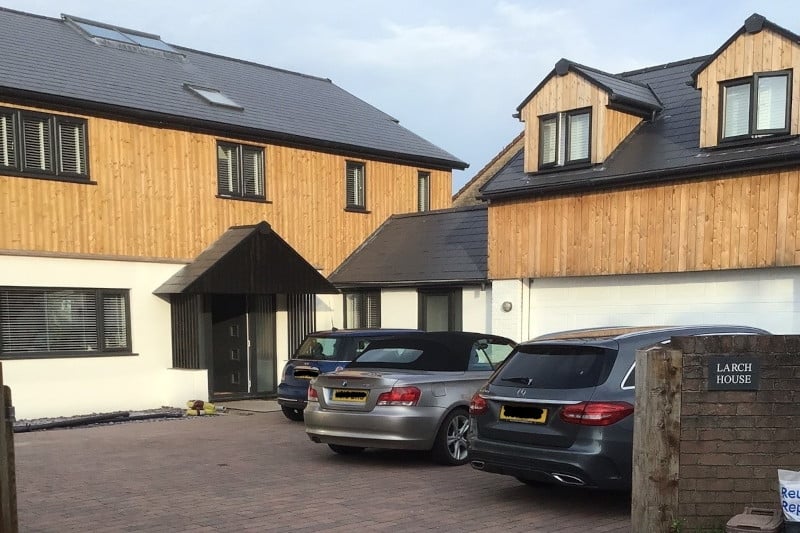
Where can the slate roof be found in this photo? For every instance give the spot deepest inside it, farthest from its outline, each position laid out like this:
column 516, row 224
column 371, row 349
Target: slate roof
column 48, row 60
column 435, row 247
column 666, row 148
column 248, row 260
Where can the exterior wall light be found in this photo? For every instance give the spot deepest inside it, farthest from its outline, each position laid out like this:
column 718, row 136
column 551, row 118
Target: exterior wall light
column 506, row 306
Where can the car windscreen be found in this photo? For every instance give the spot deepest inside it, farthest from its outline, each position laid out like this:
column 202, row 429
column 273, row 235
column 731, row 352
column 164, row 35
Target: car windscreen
column 556, row 367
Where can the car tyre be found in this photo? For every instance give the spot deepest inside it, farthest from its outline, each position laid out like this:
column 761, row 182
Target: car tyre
column 292, row 413
column 450, row 447
column 345, row 450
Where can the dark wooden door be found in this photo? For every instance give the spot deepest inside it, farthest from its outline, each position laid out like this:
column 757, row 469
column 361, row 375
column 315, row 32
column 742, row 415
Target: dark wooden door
column 229, row 332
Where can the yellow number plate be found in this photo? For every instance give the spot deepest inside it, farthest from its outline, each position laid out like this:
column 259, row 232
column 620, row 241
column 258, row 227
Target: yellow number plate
column 349, row 395
column 527, row 415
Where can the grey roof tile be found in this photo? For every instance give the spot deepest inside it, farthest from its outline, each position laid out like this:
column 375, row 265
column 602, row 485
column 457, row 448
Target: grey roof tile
column 46, row 56
column 437, row 246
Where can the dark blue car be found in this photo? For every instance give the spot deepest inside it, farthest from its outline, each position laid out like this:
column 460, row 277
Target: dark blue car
column 320, row 352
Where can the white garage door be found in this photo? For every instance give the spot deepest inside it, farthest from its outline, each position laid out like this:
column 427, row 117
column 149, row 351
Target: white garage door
column 767, row 298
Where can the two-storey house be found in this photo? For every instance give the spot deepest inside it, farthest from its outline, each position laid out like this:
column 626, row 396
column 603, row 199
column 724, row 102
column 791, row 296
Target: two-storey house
column 666, row 195
column 169, row 217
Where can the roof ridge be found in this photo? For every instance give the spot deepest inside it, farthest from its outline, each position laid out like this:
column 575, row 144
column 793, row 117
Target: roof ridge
column 445, row 211
column 662, row 66
column 611, row 74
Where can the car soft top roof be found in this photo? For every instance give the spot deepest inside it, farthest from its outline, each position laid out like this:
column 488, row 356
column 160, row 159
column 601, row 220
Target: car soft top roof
column 441, row 351
column 364, row 332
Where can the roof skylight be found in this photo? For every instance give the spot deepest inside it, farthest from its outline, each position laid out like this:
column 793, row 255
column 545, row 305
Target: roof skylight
column 122, row 35
column 213, row 96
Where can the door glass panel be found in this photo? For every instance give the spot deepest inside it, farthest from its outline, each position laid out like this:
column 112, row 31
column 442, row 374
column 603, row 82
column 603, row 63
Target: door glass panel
column 437, row 312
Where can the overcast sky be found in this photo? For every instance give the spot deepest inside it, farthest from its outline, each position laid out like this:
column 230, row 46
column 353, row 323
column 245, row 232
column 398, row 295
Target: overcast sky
column 452, row 71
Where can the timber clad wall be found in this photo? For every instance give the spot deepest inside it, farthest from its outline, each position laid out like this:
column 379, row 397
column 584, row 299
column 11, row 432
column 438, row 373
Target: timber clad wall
column 746, row 221
column 564, row 93
column 733, row 442
column 747, row 54
column 155, row 197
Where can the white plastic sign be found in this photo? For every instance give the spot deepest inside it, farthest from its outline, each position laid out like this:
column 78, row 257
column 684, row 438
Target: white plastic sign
column 789, row 482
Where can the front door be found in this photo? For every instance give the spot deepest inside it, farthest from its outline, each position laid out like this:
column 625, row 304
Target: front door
column 230, row 335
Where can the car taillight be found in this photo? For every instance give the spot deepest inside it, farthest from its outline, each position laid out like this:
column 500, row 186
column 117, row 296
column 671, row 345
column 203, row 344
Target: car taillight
column 478, row 405
column 312, row 394
column 406, row 396
column 596, row 413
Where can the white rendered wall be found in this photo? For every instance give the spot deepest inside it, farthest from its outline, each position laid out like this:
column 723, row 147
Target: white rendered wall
column 399, row 308
column 476, row 309
column 513, row 323
column 766, row 298
column 82, row 385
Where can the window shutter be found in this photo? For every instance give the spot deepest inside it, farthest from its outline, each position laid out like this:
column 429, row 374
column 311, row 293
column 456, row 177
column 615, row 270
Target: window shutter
column 373, row 309
column 36, row 139
column 423, row 191
column 115, row 322
column 253, row 172
column 71, row 148
column 771, row 103
column 355, row 185
column 549, row 135
column 578, row 137
column 736, row 119
column 227, row 170
column 8, row 155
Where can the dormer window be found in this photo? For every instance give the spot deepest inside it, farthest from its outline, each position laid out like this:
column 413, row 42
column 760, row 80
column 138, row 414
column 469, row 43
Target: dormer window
column 755, row 106
column 564, row 138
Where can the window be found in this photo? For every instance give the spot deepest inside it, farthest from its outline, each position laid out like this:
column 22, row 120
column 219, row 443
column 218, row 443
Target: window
column 362, row 309
column 423, row 191
column 440, row 310
column 240, row 171
column 62, row 322
column 129, row 37
column 564, row 138
column 213, row 96
column 756, row 106
column 355, row 176
column 42, row 144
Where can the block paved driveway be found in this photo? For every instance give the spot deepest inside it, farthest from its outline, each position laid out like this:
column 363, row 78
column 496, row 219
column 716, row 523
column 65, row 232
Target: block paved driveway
column 259, row 472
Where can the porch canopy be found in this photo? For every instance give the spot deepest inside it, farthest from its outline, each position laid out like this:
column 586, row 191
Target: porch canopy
column 248, row 260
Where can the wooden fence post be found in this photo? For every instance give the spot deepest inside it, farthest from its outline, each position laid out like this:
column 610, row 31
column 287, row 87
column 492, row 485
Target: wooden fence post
column 656, row 440
column 8, row 478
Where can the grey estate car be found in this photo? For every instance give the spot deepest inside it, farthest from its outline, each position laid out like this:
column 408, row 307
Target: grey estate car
column 559, row 410
column 410, row 392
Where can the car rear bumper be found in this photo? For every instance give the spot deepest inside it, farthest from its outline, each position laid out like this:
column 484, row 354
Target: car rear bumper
column 292, row 396
column 576, row 466
column 395, row 427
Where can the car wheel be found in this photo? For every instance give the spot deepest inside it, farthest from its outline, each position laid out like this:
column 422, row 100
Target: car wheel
column 345, row 450
column 450, row 447
column 292, row 413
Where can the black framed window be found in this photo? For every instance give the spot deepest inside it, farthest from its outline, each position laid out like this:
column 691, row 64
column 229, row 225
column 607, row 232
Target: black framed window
column 362, row 309
column 240, row 171
column 564, row 138
column 355, row 178
column 58, row 322
column 755, row 106
column 440, row 310
column 423, row 191
column 43, row 145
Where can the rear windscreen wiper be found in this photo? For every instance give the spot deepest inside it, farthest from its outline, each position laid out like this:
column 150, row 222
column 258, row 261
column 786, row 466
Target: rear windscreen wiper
column 520, row 380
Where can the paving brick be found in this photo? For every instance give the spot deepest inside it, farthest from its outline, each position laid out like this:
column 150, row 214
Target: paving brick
column 261, row 473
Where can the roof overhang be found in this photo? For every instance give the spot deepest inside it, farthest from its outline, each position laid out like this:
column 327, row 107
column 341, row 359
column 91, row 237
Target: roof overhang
column 248, row 260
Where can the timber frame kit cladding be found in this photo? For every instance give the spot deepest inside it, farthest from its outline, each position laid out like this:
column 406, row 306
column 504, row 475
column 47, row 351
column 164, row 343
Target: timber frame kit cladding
column 693, row 167
column 153, row 194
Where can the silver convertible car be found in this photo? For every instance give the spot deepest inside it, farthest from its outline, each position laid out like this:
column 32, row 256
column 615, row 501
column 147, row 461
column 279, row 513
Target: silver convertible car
column 409, row 392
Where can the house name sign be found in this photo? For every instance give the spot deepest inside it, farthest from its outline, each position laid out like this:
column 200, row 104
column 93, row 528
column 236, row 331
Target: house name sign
column 733, row 373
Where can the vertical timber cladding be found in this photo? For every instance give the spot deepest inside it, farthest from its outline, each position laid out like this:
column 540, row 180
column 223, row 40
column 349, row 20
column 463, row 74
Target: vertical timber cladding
column 571, row 91
column 748, row 54
column 154, row 195
column 745, row 221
